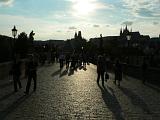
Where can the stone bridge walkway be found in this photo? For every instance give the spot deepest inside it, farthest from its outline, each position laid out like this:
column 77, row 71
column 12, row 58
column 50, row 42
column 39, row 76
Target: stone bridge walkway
column 77, row 96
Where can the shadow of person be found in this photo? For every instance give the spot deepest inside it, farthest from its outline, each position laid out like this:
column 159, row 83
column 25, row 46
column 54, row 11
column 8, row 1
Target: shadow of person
column 56, row 72
column 152, row 87
column 84, row 68
column 6, row 85
column 80, row 67
column 6, row 96
column 64, row 73
column 71, row 72
column 135, row 99
column 112, row 102
column 4, row 113
column 76, row 68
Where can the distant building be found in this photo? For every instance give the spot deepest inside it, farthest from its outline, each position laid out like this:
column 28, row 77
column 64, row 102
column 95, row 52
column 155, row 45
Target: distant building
column 55, row 42
column 77, row 42
column 137, row 40
column 106, row 40
column 155, row 42
column 6, row 48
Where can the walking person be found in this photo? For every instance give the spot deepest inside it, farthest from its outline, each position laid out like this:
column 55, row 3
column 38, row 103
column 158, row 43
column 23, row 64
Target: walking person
column 118, row 72
column 100, row 68
column 84, row 60
column 57, row 56
column 144, row 70
column 32, row 74
column 106, row 67
column 67, row 61
column 16, row 72
column 61, row 59
column 73, row 61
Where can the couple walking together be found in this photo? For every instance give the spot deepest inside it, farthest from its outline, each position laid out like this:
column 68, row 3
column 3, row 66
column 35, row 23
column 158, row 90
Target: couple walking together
column 31, row 72
column 102, row 70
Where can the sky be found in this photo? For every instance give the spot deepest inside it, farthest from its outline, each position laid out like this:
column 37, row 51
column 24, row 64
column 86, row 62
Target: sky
column 60, row 19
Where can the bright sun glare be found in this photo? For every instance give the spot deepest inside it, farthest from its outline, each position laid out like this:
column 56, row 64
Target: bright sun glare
column 83, row 7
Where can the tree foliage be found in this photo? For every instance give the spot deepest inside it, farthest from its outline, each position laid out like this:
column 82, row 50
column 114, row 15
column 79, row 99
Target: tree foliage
column 22, row 44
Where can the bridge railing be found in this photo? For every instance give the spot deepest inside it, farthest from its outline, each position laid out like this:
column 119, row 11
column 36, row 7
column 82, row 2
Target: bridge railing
column 6, row 67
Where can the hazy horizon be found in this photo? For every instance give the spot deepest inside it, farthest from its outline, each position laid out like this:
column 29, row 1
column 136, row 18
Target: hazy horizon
column 60, row 19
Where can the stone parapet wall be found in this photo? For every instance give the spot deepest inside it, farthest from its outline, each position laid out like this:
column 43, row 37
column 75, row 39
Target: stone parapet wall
column 6, row 67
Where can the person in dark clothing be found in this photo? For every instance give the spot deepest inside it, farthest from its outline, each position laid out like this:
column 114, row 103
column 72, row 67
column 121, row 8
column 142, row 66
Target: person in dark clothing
column 67, row 61
column 118, row 72
column 16, row 71
column 52, row 57
column 100, row 68
column 61, row 60
column 57, row 56
column 73, row 62
column 31, row 73
column 144, row 71
column 84, row 60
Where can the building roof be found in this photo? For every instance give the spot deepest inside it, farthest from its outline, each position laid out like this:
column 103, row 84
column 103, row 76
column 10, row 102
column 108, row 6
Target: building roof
column 135, row 34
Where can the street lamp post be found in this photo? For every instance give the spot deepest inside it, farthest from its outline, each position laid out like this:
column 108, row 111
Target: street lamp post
column 82, row 48
column 82, row 51
column 14, row 33
column 128, row 39
column 101, row 44
column 82, row 56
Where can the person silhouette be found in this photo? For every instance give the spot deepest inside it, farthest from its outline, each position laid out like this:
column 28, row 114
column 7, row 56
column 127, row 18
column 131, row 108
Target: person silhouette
column 16, row 71
column 118, row 72
column 73, row 61
column 61, row 60
column 67, row 60
column 100, row 68
column 32, row 73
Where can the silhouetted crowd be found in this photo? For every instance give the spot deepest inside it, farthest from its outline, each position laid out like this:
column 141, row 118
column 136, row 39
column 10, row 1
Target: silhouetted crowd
column 71, row 61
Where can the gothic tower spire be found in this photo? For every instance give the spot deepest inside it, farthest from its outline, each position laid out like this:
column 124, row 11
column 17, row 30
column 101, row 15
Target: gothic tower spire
column 75, row 36
column 79, row 35
column 126, row 28
column 121, row 31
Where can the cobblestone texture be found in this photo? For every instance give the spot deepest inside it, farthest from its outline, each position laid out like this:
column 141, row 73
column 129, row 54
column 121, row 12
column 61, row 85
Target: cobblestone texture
column 77, row 96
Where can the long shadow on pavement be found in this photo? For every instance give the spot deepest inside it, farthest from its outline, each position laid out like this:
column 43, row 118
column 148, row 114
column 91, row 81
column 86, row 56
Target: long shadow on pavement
column 13, row 106
column 112, row 102
column 56, row 73
column 71, row 72
column 135, row 99
column 152, row 87
column 6, row 85
column 6, row 96
column 64, row 73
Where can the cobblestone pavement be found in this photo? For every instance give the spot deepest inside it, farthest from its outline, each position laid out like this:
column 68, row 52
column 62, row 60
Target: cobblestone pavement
column 77, row 96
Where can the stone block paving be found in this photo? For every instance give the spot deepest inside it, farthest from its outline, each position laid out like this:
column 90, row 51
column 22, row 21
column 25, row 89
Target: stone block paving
column 68, row 95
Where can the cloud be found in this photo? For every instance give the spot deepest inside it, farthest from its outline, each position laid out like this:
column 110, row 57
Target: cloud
column 155, row 23
column 59, row 31
column 104, row 5
column 96, row 26
column 7, row 3
column 143, row 8
column 44, row 30
column 72, row 28
column 4, row 0
column 129, row 23
column 88, row 7
column 107, row 25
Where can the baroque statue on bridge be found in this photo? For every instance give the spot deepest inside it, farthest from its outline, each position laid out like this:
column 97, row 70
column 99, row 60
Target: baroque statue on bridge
column 31, row 38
